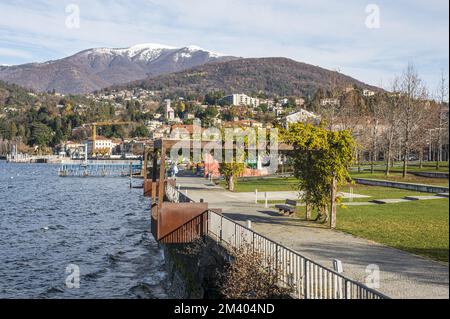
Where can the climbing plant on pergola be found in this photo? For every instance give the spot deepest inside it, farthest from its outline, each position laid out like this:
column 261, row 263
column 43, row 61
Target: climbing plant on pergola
column 322, row 159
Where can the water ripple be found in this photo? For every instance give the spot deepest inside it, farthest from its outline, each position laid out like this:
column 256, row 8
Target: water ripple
column 47, row 223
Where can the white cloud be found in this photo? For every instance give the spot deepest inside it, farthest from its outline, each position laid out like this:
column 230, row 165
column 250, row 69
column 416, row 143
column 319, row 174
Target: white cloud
column 15, row 53
column 328, row 33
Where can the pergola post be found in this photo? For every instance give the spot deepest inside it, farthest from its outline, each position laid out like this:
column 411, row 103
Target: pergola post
column 154, row 172
column 162, row 173
column 144, row 170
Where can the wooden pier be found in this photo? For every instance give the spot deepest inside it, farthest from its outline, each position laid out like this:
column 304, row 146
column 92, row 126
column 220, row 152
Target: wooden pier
column 99, row 169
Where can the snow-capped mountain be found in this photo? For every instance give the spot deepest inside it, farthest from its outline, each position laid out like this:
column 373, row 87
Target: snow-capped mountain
column 98, row 68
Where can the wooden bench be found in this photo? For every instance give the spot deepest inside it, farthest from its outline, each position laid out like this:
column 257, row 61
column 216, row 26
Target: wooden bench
column 288, row 207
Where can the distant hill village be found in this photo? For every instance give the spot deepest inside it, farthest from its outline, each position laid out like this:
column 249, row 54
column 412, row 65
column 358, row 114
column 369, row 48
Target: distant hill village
column 167, row 119
column 116, row 123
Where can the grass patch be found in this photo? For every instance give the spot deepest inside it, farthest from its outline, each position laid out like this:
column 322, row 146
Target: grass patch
column 290, row 184
column 378, row 192
column 419, row 227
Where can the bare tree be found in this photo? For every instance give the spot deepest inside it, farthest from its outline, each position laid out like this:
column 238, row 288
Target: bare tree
column 413, row 96
column 389, row 111
column 330, row 111
column 443, row 121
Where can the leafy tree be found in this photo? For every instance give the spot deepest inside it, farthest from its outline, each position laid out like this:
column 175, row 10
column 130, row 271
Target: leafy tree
column 263, row 108
column 12, row 130
column 141, row 131
column 321, row 162
column 182, row 107
column 230, row 171
column 41, row 135
column 214, row 98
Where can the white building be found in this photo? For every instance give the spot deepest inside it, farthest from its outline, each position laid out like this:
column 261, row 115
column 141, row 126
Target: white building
column 170, row 112
column 101, row 143
column 329, row 102
column 241, row 99
column 368, row 93
column 153, row 125
column 301, row 116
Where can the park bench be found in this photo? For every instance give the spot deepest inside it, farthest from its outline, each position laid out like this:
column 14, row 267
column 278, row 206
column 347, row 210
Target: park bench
column 288, row 207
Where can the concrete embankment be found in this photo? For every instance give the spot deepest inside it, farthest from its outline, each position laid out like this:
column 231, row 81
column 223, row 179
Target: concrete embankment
column 408, row 186
column 431, row 174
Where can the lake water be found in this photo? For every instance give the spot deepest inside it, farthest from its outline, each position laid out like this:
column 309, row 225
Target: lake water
column 98, row 225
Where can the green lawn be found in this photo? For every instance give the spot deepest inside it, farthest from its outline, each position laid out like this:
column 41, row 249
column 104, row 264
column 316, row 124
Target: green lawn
column 419, row 227
column 378, row 192
column 289, row 184
column 375, row 192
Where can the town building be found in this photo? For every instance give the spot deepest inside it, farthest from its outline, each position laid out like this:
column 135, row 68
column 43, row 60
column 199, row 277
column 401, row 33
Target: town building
column 301, row 116
column 329, row 102
column 241, row 99
column 101, row 143
column 368, row 93
column 170, row 112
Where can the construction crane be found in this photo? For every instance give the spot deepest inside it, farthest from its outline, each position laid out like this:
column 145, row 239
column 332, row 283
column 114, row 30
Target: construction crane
column 94, row 130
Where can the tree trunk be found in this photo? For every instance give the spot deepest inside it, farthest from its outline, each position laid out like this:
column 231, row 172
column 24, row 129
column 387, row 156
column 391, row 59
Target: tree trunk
column 388, row 161
column 438, row 157
column 405, row 161
column 231, row 184
column 333, row 204
column 322, row 214
column 371, row 163
column 308, row 210
column 405, row 166
column 421, row 158
column 325, row 212
column 358, row 156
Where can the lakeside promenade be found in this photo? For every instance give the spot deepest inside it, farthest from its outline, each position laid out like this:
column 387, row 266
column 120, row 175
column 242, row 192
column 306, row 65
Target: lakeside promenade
column 402, row 274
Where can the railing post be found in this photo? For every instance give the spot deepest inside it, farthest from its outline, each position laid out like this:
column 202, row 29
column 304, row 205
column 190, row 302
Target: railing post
column 345, row 288
column 221, row 229
column 253, row 242
column 235, row 235
column 305, row 277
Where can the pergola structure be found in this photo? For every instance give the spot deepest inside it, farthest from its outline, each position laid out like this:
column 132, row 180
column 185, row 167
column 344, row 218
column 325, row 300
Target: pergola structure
column 167, row 216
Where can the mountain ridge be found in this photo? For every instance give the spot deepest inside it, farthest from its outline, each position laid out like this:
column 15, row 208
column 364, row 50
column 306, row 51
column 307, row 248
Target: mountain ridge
column 274, row 76
column 97, row 68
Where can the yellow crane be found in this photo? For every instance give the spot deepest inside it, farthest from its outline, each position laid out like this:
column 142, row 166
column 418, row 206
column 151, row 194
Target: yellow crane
column 94, row 130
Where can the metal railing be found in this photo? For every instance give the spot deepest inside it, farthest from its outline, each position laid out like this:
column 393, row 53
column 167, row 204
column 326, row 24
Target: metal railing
column 191, row 231
column 306, row 278
column 176, row 196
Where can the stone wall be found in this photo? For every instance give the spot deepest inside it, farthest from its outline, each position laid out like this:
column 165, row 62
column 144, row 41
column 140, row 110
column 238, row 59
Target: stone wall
column 431, row 174
column 408, row 186
column 194, row 269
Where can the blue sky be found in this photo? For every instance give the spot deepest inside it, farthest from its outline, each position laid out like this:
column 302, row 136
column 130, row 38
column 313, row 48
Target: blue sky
column 332, row 34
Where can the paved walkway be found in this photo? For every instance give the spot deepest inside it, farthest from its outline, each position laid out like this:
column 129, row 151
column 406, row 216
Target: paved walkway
column 403, row 275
